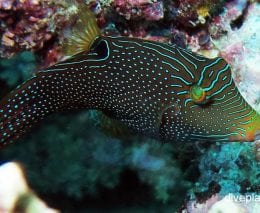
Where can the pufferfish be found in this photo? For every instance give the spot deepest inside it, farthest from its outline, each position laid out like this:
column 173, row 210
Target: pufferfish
column 155, row 89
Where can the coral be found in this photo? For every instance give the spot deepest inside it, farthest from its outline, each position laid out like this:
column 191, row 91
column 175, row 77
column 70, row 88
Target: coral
column 140, row 9
column 40, row 25
column 232, row 166
column 190, row 13
column 81, row 156
column 36, row 25
column 238, row 46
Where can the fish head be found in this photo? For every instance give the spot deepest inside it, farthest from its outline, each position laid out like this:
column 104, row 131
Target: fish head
column 211, row 109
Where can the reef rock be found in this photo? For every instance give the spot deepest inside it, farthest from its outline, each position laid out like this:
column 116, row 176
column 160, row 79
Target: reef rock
column 240, row 47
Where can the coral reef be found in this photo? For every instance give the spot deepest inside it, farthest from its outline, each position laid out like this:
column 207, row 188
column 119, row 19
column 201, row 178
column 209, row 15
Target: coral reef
column 239, row 46
column 228, row 177
column 139, row 9
column 36, row 25
column 40, row 25
column 81, row 158
column 232, row 166
column 190, row 13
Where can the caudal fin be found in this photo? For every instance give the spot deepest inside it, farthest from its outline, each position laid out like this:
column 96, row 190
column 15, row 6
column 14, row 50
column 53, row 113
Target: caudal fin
column 20, row 110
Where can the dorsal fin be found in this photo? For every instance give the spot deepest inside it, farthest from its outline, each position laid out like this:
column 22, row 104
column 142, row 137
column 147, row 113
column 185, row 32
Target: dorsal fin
column 83, row 33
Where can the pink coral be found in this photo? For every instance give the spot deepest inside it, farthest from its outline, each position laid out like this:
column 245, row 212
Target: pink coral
column 140, row 9
column 154, row 12
column 29, row 25
column 133, row 3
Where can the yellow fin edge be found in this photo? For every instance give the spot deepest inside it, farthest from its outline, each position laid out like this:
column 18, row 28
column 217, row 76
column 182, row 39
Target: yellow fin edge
column 83, row 33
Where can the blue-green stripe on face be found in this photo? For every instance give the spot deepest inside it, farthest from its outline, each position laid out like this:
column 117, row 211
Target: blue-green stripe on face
column 155, row 89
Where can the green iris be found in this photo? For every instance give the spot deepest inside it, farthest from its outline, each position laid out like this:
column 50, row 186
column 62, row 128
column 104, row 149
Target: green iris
column 197, row 94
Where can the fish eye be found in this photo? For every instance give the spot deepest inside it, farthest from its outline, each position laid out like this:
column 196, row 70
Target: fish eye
column 198, row 94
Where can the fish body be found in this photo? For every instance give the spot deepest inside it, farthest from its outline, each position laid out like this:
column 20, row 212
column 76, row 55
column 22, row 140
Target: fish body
column 155, row 89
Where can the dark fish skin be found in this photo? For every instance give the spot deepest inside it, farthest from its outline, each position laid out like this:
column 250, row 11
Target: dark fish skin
column 158, row 90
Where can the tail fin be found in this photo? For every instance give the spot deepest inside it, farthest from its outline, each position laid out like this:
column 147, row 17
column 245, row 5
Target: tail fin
column 20, row 109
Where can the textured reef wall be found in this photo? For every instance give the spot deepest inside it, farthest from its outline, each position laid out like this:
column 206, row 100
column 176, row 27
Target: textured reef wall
column 81, row 158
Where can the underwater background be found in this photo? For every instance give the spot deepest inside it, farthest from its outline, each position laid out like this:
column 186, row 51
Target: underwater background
column 84, row 162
